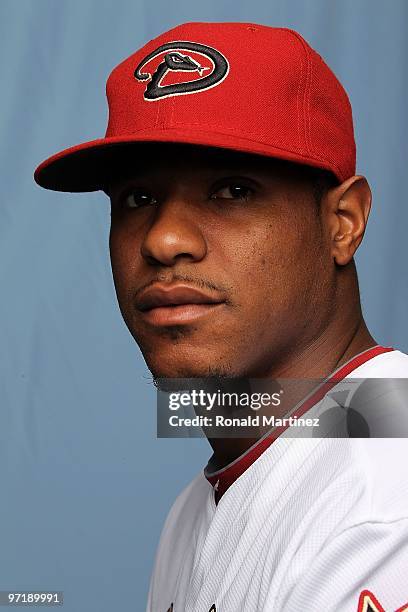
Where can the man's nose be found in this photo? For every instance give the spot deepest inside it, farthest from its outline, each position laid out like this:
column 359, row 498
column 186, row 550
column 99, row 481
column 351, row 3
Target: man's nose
column 174, row 234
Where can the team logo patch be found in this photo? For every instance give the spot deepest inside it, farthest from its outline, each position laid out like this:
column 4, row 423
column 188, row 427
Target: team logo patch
column 179, row 68
column 369, row 603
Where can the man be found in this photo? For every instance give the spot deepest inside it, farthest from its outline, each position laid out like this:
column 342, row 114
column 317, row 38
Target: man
column 229, row 159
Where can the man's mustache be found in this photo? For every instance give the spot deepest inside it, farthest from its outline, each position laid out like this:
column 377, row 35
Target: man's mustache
column 200, row 283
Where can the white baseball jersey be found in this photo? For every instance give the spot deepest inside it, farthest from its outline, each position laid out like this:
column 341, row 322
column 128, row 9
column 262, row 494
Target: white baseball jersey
column 308, row 525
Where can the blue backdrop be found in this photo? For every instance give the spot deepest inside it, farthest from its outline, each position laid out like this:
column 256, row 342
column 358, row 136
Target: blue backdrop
column 84, row 483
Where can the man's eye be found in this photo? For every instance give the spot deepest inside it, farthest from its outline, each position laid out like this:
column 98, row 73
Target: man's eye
column 137, row 199
column 232, row 192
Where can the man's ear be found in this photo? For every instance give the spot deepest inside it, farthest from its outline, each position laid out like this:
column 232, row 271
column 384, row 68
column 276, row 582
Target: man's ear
column 348, row 207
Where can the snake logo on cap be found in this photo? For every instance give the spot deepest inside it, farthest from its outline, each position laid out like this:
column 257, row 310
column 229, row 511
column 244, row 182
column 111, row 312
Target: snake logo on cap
column 181, row 67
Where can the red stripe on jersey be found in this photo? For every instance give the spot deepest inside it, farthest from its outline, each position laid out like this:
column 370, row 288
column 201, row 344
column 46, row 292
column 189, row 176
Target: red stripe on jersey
column 224, row 478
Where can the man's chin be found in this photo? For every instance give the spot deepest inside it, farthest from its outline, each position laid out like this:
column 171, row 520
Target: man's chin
column 185, row 377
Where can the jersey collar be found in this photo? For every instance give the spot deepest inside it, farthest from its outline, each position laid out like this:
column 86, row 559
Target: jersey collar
column 222, row 479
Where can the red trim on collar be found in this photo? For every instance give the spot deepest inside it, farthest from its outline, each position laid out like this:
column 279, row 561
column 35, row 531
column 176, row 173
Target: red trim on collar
column 224, row 478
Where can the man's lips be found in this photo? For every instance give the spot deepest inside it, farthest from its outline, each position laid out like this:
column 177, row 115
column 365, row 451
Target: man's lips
column 175, row 304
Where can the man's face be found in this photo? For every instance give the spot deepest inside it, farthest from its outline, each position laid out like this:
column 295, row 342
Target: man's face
column 220, row 260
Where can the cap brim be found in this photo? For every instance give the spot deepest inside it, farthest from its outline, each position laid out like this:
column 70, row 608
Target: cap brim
column 88, row 166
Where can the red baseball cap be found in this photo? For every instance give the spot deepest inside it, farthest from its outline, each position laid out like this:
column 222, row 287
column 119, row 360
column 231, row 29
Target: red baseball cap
column 239, row 86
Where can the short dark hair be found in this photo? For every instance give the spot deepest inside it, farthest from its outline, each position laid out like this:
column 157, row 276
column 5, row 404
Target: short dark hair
column 323, row 181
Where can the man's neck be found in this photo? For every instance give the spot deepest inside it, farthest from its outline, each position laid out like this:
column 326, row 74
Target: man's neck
column 327, row 353
column 316, row 361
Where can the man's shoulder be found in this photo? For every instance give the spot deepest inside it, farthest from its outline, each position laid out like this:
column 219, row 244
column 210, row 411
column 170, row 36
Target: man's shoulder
column 366, row 548
column 382, row 465
column 393, row 364
column 365, row 481
column 362, row 533
column 190, row 502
